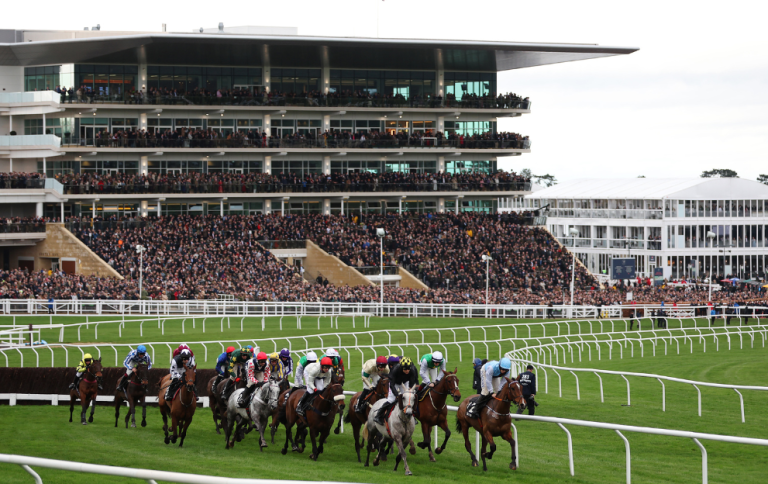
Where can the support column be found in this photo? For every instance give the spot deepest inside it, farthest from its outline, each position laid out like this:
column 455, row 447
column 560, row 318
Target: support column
column 266, row 75
column 39, row 209
column 441, row 124
column 143, row 77
column 62, row 212
column 221, row 208
column 144, row 165
column 327, row 206
column 144, row 208
column 441, row 205
column 10, row 123
column 440, row 73
column 326, row 165
column 458, row 206
column 267, row 207
column 267, row 125
column 440, row 160
column 400, row 206
column 268, row 165
column 326, row 122
column 45, row 168
column 159, row 212
column 93, row 209
column 44, row 124
column 143, row 121
column 11, row 167
column 282, row 207
column 342, row 206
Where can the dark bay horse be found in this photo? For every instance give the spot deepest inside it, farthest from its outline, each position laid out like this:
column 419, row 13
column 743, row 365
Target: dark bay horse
column 218, row 406
column 432, row 410
column 135, row 394
column 339, row 378
column 182, row 408
column 357, row 419
column 494, row 421
column 86, row 391
column 318, row 418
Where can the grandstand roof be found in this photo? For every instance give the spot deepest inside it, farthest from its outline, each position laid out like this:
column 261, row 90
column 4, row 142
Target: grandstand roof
column 48, row 47
column 655, row 188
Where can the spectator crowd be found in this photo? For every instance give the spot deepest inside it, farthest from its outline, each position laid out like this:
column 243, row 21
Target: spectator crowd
column 253, row 182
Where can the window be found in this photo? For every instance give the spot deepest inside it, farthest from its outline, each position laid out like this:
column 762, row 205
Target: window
column 345, row 166
column 193, row 80
column 408, row 84
column 300, row 168
column 456, row 166
column 295, row 80
column 462, row 84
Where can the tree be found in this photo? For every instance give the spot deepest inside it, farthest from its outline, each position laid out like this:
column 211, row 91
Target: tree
column 762, row 179
column 641, row 176
column 546, row 180
column 719, row 173
column 526, row 172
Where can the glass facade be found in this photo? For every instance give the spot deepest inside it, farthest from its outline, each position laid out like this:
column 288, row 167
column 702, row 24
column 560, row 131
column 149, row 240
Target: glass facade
column 299, row 168
column 356, row 125
column 106, row 80
column 469, row 128
column 57, row 126
column 295, row 80
column 189, row 79
column 456, row 166
column 387, row 83
column 47, row 78
column 460, row 84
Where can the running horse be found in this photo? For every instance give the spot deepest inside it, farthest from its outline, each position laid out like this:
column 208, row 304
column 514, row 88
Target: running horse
column 318, row 418
column 285, row 390
column 339, row 377
column 219, row 406
column 136, row 393
column 87, row 391
column 432, row 410
column 181, row 408
column 357, row 419
column 494, row 421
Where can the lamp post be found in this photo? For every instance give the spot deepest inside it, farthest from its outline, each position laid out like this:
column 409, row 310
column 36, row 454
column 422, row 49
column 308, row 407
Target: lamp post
column 573, row 233
column 487, row 259
column 381, row 233
column 711, row 236
column 141, row 249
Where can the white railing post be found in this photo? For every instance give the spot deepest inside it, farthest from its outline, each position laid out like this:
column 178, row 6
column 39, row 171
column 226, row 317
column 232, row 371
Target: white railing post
column 741, row 400
column 704, row 477
column 663, row 396
column 629, row 465
column 629, row 400
column 570, row 448
column 699, row 392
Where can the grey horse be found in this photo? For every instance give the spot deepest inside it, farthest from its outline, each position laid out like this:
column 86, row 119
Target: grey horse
column 399, row 428
column 260, row 408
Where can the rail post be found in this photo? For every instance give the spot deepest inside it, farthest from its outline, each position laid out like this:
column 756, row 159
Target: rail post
column 629, row 465
column 570, row 448
column 741, row 399
column 704, row 477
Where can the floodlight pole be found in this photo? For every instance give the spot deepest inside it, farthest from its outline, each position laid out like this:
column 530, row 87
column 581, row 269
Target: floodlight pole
column 487, row 268
column 381, row 280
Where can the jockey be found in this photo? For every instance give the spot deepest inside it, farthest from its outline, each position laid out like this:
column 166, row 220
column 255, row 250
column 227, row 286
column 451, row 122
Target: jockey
column 276, row 368
column 84, row 364
column 222, row 366
column 238, row 359
column 132, row 361
column 258, row 374
column 305, row 361
column 392, row 361
column 431, row 369
column 285, row 358
column 178, row 363
column 372, row 371
column 318, row 376
column 491, row 377
column 402, row 378
column 338, row 362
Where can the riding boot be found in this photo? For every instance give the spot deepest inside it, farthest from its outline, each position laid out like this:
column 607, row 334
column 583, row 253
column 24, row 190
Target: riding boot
column 361, row 403
column 481, row 402
column 216, row 383
column 73, row 385
column 225, row 391
column 100, row 384
column 382, row 413
column 245, row 397
column 171, row 389
column 302, row 403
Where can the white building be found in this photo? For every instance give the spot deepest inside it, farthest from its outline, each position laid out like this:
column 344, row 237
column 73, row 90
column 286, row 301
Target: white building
column 689, row 226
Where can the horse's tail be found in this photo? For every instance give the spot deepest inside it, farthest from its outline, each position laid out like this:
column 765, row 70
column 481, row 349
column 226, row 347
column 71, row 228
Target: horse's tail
column 348, row 416
column 459, row 428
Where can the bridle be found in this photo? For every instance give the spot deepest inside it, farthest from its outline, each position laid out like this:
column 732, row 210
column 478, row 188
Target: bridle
column 452, row 392
column 139, row 380
column 403, row 406
column 189, row 384
column 89, row 371
column 331, row 401
column 509, row 386
column 382, row 395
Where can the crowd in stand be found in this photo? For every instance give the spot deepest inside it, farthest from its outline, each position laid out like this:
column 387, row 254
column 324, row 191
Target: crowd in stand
column 212, row 138
column 192, row 257
column 258, row 97
column 18, row 179
column 192, row 182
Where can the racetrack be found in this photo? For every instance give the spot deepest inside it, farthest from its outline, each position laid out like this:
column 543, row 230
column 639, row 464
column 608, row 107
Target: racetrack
column 599, row 455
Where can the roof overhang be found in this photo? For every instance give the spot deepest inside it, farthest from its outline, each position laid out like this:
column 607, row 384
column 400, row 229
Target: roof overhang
column 291, row 51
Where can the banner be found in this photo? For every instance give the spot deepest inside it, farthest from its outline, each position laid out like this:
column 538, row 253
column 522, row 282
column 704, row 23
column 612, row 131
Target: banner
column 623, row 268
column 658, row 276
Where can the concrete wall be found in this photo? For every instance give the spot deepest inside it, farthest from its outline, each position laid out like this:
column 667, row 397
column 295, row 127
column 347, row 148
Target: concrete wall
column 337, row 272
column 61, row 243
column 12, row 80
column 410, row 281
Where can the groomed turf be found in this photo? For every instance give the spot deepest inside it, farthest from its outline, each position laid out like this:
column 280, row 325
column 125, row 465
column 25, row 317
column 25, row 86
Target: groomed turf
column 599, row 454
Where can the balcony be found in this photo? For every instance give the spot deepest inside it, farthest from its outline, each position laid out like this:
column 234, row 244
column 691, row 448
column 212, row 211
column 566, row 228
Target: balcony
column 400, row 102
column 21, row 233
column 621, row 244
column 30, row 146
column 508, row 146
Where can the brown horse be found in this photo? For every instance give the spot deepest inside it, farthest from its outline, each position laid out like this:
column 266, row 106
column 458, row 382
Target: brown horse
column 136, row 393
column 357, row 419
column 319, row 418
column 182, row 408
column 285, row 390
column 432, row 410
column 494, row 421
column 86, row 391
column 339, row 378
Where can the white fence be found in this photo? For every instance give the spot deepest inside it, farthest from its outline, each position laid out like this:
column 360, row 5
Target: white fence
column 254, row 308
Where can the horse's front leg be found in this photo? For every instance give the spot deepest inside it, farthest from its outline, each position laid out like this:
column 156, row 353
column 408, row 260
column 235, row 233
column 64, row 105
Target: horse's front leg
column 313, row 436
column 118, row 402
column 401, row 455
column 261, row 423
column 131, row 409
column 467, row 443
column 508, row 437
column 93, row 408
column 143, row 411
column 444, row 425
column 174, row 423
column 187, row 423
column 427, row 442
column 337, row 430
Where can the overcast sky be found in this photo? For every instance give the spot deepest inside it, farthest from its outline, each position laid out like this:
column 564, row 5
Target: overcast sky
column 694, row 97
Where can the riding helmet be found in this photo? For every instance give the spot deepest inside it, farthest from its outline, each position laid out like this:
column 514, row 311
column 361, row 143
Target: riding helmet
column 87, row 356
column 274, row 356
column 284, row 353
column 261, row 356
column 381, row 361
column 141, row 349
column 311, row 356
column 393, row 359
column 505, row 364
column 230, row 349
column 326, row 362
column 437, row 357
column 405, row 361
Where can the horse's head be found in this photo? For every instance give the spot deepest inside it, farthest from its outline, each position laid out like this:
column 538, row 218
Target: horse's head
column 382, row 387
column 450, row 384
column 338, row 377
column 284, row 384
column 190, row 375
column 513, row 392
column 95, row 369
column 274, row 394
column 335, row 392
column 142, row 373
column 406, row 401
